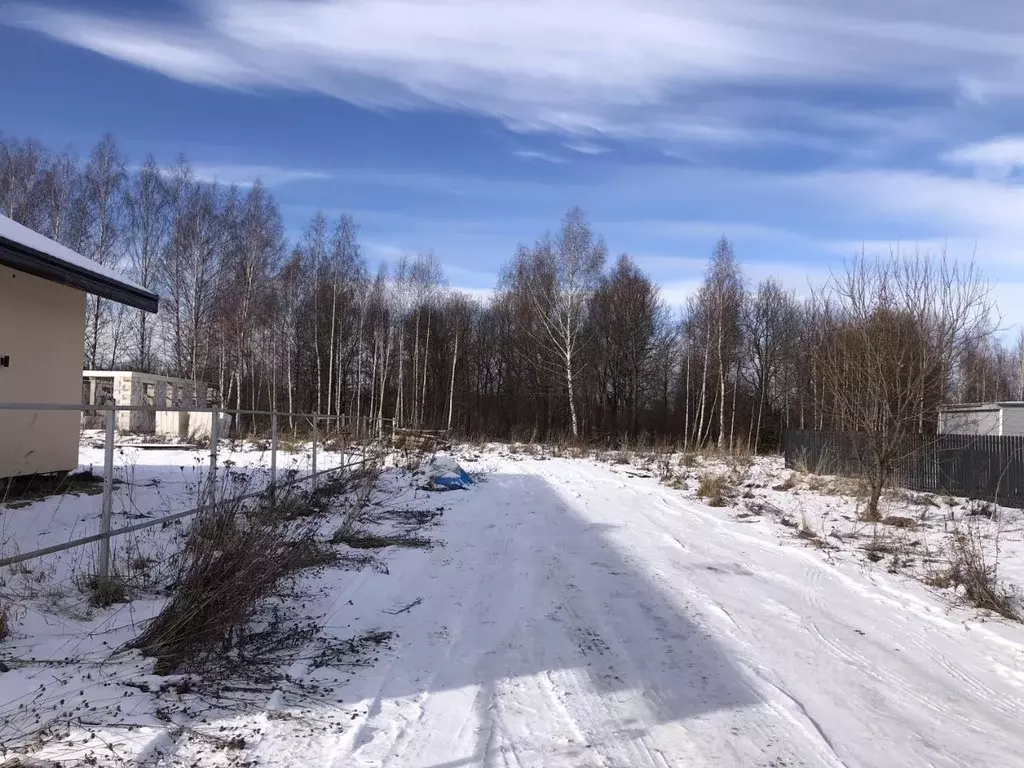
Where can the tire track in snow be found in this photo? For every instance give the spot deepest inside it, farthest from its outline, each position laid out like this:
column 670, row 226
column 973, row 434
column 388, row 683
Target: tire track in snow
column 889, row 676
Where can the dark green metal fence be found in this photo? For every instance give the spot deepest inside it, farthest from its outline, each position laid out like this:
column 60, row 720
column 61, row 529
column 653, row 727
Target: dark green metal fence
column 974, row 466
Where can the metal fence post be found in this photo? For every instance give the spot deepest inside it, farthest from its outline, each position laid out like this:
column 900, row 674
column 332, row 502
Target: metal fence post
column 108, row 497
column 214, row 440
column 316, row 418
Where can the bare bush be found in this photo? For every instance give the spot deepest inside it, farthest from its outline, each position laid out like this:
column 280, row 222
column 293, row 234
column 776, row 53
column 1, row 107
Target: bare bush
column 973, row 572
column 235, row 556
column 6, row 620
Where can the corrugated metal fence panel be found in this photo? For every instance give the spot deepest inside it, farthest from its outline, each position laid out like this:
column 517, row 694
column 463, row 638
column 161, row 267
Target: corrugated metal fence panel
column 975, row 466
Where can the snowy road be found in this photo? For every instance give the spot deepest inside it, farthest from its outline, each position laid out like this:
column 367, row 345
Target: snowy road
column 580, row 617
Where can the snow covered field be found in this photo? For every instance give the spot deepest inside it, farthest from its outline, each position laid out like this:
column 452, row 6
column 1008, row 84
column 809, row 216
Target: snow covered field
column 150, row 483
column 575, row 613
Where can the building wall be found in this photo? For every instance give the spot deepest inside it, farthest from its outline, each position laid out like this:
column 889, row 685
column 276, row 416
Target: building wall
column 1013, row 421
column 42, row 328
column 969, row 422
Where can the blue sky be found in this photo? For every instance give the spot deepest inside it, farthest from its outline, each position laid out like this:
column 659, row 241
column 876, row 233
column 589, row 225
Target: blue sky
column 801, row 129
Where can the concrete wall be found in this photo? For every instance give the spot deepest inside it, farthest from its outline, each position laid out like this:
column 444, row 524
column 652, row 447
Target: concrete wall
column 969, row 422
column 1013, row 421
column 200, row 424
column 42, row 328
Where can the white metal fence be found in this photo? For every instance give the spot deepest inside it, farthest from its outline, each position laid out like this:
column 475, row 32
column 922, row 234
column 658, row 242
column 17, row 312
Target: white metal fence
column 351, row 433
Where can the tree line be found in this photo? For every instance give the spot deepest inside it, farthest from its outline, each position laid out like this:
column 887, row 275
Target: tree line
column 573, row 342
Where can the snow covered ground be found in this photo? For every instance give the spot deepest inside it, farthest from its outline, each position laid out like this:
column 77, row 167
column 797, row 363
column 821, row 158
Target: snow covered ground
column 575, row 614
column 150, row 482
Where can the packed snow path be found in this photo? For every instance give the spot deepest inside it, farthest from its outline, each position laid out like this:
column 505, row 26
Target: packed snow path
column 578, row 617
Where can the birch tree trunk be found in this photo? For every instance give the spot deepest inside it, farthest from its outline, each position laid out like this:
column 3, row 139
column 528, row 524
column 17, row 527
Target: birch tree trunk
column 703, row 387
column 721, row 377
column 686, row 397
column 451, row 386
column 423, row 383
column 330, row 363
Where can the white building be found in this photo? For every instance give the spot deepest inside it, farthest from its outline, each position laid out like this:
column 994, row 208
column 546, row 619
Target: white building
column 42, row 330
column 995, row 419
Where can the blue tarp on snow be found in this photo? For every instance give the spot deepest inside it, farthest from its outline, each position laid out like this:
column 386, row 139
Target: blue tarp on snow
column 445, row 474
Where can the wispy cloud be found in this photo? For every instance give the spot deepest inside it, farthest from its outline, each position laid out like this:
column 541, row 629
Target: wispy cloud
column 549, row 65
column 247, row 175
column 998, row 157
column 534, row 154
column 587, row 148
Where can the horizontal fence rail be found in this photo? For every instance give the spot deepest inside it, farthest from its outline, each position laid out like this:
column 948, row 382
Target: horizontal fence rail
column 985, row 467
column 380, row 428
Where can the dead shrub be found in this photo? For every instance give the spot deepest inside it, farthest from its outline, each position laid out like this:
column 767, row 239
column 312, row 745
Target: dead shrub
column 788, row 483
column 974, row 574
column 235, row 556
column 290, row 445
column 625, row 456
column 714, row 488
column 6, row 619
column 374, row 541
column 879, row 546
column 899, row 522
column 909, row 498
column 802, row 462
column 977, row 508
column 837, row 486
column 672, row 480
column 808, row 534
column 816, row 483
column 740, row 464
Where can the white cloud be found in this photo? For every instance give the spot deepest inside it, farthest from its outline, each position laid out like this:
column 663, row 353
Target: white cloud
column 584, row 67
column 997, row 157
column 942, row 206
column 246, row 175
column 483, row 295
column 586, row 148
column 679, row 283
column 533, row 154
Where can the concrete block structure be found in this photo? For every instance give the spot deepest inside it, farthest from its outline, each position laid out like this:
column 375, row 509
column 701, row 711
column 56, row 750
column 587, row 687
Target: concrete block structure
column 148, row 389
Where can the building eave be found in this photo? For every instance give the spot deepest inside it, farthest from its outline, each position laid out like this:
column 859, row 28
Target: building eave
column 25, row 259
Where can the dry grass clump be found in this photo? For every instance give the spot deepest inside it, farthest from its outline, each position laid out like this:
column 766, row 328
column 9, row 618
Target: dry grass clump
column 714, row 488
column 104, row 591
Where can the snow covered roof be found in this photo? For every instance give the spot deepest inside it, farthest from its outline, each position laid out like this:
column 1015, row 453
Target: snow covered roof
column 993, row 406
column 27, row 251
